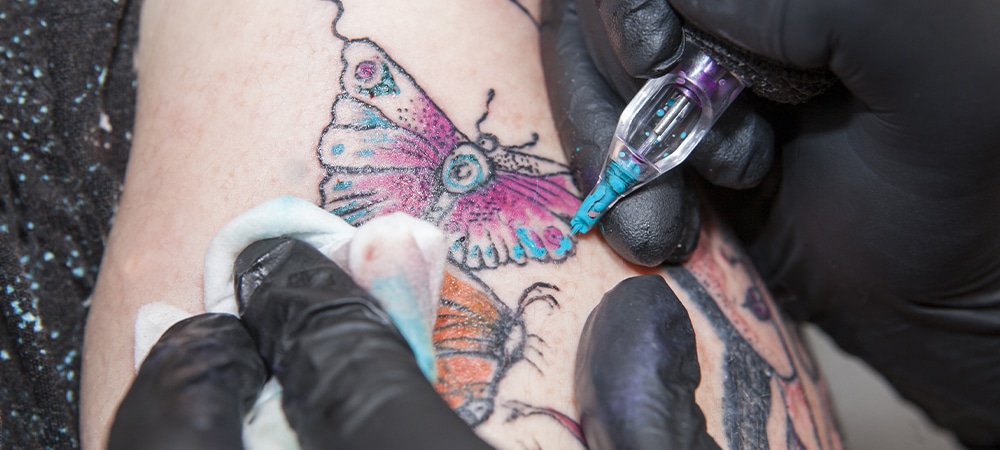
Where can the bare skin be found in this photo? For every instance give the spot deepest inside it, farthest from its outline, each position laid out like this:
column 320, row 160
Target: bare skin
column 235, row 102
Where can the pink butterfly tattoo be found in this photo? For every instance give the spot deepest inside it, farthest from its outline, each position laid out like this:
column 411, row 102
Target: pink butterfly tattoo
column 390, row 148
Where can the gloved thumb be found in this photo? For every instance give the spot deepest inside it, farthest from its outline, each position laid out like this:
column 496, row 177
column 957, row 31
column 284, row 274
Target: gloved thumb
column 637, row 370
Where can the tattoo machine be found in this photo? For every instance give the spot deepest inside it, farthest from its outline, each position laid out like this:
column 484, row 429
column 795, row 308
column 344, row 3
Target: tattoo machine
column 659, row 128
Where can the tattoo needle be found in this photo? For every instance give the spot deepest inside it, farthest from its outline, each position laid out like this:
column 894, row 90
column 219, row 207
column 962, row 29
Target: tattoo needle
column 658, row 130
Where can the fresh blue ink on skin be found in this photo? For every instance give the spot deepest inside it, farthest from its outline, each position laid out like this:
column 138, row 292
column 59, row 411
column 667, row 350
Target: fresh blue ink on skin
column 564, row 245
column 373, row 120
column 489, row 251
column 518, row 251
column 341, row 185
column 526, row 240
column 350, row 207
column 337, row 149
column 474, row 251
column 465, row 184
column 358, row 215
column 365, row 153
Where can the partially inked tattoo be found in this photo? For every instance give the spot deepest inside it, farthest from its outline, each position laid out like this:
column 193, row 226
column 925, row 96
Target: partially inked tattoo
column 390, row 148
column 770, row 377
column 478, row 338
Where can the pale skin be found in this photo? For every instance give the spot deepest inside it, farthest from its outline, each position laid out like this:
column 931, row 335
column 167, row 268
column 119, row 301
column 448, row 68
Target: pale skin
column 233, row 100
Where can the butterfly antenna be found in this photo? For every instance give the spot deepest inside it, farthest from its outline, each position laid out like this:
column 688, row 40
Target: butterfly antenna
column 336, row 19
column 535, row 293
column 489, row 99
column 531, row 143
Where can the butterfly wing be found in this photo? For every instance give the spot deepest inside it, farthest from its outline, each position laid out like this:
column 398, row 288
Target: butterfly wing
column 516, row 217
column 470, row 339
column 385, row 143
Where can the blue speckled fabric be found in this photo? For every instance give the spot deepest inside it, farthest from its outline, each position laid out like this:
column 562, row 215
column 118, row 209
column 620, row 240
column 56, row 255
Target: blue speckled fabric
column 66, row 111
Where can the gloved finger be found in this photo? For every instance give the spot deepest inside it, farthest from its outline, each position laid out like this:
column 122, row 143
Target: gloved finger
column 658, row 222
column 349, row 378
column 630, row 39
column 797, row 33
column 739, row 150
column 193, row 388
column 637, row 370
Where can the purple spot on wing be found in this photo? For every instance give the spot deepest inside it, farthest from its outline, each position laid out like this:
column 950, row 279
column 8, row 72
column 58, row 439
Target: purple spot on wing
column 365, row 71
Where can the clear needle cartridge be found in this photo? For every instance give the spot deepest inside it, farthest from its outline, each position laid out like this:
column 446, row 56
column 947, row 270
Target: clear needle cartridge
column 658, row 130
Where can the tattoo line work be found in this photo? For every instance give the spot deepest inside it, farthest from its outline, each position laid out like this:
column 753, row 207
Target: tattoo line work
column 756, row 377
column 478, row 338
column 390, row 148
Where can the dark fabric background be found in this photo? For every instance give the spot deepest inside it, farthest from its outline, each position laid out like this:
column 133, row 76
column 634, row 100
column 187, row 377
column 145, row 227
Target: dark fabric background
column 66, row 116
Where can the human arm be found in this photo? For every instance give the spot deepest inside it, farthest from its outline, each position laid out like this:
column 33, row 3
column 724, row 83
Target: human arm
column 511, row 313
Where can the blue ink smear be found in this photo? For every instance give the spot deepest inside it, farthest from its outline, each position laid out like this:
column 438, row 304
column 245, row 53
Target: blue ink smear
column 474, row 251
column 564, row 245
column 337, row 149
column 341, row 185
column 489, row 252
column 404, row 309
column 365, row 152
column 535, row 251
column 373, row 120
column 660, row 113
column 518, row 251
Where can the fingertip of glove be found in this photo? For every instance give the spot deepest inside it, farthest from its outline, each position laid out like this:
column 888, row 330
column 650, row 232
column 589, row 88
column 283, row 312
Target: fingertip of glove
column 654, row 226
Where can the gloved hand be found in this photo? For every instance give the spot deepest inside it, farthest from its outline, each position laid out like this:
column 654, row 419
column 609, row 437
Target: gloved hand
column 592, row 58
column 886, row 226
column 637, row 370
column 349, row 378
column 193, row 389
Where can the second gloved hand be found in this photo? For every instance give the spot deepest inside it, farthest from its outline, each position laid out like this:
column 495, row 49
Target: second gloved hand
column 349, row 378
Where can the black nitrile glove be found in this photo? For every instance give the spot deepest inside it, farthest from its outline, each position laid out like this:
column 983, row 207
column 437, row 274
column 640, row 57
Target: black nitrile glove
column 592, row 57
column 193, row 388
column 886, row 226
column 349, row 378
column 637, row 370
